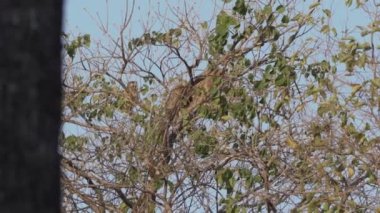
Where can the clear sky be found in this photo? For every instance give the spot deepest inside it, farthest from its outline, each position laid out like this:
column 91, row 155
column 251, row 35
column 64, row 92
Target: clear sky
column 81, row 16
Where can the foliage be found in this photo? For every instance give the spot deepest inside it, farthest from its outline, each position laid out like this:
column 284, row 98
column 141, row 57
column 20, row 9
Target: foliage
column 80, row 41
column 267, row 108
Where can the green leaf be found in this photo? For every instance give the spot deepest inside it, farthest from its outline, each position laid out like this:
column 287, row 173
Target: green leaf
column 348, row 3
column 86, row 40
column 355, row 88
column 280, row 9
column 278, row 105
column 314, row 5
column 259, row 85
column 71, row 51
column 267, row 10
column 327, row 12
column 325, row 29
column 251, row 77
column 282, row 80
column 223, row 22
column 74, row 143
column 376, row 82
column 226, row 117
column 285, row 19
column 324, row 108
column 240, row 7
column 204, row 25
column 343, row 118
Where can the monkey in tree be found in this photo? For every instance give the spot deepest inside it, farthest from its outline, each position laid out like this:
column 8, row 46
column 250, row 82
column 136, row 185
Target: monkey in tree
column 203, row 85
column 178, row 97
column 197, row 91
column 131, row 96
column 186, row 98
column 132, row 92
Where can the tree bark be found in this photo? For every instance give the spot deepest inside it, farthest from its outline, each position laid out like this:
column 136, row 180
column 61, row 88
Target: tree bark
column 30, row 105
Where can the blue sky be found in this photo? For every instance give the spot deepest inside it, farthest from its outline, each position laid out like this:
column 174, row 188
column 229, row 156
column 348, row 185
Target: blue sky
column 78, row 12
column 81, row 16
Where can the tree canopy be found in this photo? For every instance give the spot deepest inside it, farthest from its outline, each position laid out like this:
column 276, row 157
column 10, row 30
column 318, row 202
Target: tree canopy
column 267, row 106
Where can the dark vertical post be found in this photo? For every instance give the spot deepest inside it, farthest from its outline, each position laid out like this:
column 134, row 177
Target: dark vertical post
column 30, row 104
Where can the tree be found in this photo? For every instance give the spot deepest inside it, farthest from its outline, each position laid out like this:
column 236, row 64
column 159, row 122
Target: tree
column 30, row 82
column 265, row 107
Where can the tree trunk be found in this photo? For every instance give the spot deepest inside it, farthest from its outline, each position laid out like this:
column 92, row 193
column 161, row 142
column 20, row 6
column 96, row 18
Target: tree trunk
column 30, row 102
